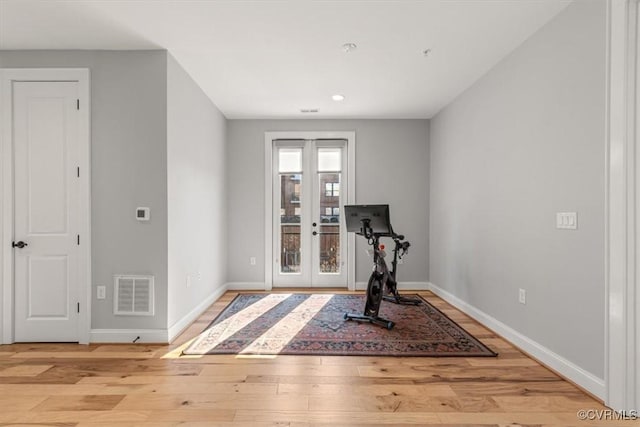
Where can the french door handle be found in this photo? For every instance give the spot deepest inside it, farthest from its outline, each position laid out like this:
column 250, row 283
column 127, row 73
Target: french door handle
column 19, row 244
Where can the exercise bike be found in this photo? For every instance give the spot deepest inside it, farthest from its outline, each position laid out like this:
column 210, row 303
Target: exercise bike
column 372, row 222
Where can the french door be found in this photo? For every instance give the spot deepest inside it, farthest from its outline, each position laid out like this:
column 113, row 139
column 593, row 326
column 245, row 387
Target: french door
column 309, row 192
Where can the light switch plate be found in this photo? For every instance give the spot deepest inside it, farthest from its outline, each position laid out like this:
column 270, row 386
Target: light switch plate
column 567, row 220
column 522, row 296
column 101, row 292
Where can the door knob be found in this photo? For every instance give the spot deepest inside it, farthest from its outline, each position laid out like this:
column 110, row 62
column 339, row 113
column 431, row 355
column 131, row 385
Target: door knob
column 19, row 244
column 314, row 224
column 315, row 233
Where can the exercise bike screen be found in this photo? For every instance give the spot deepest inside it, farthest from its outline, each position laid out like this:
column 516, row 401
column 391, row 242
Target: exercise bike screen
column 378, row 216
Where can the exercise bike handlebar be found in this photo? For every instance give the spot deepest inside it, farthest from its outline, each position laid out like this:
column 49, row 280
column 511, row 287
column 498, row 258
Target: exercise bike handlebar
column 398, row 238
column 367, row 232
column 401, row 246
column 394, row 236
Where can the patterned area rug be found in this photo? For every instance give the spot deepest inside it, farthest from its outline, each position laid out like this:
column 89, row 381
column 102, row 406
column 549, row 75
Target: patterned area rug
column 313, row 324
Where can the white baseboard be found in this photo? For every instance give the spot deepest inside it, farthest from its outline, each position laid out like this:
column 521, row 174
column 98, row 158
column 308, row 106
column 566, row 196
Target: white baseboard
column 259, row 286
column 402, row 286
column 190, row 317
column 156, row 336
column 564, row 367
column 245, row 286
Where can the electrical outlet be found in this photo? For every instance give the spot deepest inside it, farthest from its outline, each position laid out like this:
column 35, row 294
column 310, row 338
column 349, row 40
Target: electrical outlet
column 101, row 292
column 522, row 296
column 252, row 260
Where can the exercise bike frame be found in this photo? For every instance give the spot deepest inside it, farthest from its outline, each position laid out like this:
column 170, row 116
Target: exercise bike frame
column 400, row 249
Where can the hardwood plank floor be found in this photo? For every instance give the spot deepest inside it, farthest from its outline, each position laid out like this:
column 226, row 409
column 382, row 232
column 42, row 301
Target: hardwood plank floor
column 154, row 385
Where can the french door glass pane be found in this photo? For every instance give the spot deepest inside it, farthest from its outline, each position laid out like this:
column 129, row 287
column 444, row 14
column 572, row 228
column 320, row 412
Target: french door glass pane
column 329, row 160
column 290, row 160
column 329, row 222
column 290, row 210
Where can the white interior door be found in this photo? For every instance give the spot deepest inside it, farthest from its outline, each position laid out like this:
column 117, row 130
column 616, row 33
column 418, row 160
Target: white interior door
column 309, row 185
column 46, row 211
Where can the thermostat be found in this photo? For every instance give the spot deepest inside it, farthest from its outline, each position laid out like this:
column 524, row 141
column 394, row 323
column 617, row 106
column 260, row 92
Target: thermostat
column 143, row 214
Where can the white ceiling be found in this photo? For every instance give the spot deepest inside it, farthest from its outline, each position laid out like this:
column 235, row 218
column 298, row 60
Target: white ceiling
column 269, row 59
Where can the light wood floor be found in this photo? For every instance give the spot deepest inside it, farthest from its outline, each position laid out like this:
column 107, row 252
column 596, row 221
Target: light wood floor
column 152, row 385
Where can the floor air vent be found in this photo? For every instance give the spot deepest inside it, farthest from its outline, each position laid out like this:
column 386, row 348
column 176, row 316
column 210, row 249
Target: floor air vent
column 133, row 295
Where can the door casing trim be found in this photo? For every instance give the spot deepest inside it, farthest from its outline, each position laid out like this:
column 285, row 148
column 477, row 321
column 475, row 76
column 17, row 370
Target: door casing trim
column 622, row 318
column 7, row 77
column 269, row 137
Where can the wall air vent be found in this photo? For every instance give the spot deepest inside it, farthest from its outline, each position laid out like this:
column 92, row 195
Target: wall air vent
column 133, row 295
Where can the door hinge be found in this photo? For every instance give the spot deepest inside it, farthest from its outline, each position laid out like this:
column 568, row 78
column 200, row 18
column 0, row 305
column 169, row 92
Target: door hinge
column 77, row 104
column 78, row 240
column 78, row 307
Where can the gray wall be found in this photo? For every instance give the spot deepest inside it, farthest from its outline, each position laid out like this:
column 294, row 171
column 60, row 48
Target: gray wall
column 128, row 169
column 525, row 142
column 196, row 147
column 392, row 166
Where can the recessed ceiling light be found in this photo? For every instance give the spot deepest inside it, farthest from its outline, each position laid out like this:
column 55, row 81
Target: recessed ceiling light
column 348, row 47
column 338, row 97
